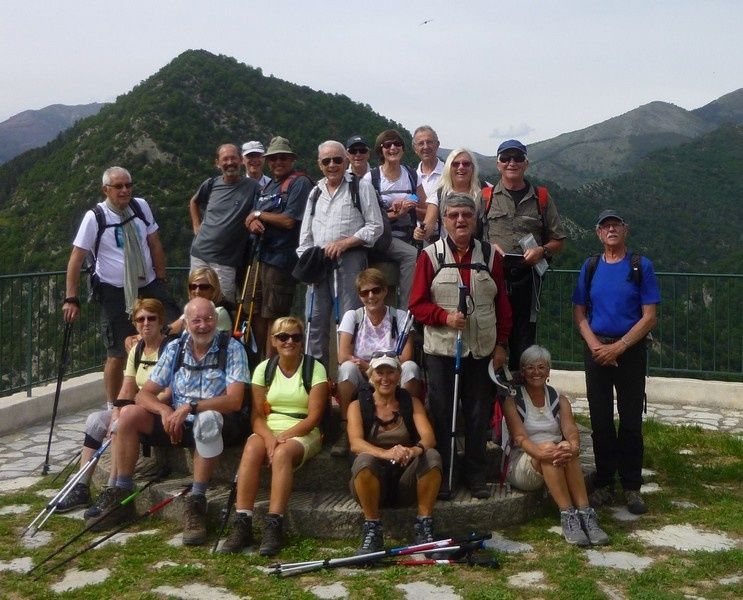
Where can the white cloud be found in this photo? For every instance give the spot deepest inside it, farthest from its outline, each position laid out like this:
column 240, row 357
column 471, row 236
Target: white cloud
column 512, row 131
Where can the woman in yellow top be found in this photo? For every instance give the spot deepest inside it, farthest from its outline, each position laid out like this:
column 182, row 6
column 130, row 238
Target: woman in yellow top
column 285, row 420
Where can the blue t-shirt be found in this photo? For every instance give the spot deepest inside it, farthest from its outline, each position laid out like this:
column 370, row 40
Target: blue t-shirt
column 279, row 245
column 616, row 301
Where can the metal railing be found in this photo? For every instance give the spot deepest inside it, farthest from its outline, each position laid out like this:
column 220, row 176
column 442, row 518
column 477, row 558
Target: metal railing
column 699, row 332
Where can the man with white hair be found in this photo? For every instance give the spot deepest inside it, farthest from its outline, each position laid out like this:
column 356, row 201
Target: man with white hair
column 342, row 217
column 207, row 372
column 254, row 159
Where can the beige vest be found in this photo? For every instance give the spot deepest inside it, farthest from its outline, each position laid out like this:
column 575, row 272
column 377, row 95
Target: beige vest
column 478, row 336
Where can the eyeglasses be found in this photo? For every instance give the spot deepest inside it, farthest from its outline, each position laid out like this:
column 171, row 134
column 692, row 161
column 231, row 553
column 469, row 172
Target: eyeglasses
column 200, row 321
column 464, row 214
column 608, row 226
column 358, row 150
column 120, row 186
column 389, row 144
column 387, row 353
column 465, row 164
column 285, row 337
column 274, row 157
column 538, row 368
column 336, row 160
column 376, row 290
column 202, row 287
column 517, row 158
column 147, row 318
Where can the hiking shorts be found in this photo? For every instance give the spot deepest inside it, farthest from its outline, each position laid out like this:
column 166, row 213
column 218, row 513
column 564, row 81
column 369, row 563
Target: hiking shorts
column 311, row 442
column 277, row 291
column 522, row 474
column 234, row 432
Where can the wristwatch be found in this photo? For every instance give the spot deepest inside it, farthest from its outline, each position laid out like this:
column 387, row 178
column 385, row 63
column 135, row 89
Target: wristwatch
column 257, row 214
column 193, row 404
column 547, row 253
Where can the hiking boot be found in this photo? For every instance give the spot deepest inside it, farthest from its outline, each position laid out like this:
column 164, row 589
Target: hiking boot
column 341, row 446
column 94, row 510
column 273, row 535
column 78, row 497
column 635, row 504
column 423, row 529
column 194, row 520
column 600, row 496
column 241, row 535
column 112, row 513
column 480, row 490
column 372, row 538
column 571, row 528
column 595, row 534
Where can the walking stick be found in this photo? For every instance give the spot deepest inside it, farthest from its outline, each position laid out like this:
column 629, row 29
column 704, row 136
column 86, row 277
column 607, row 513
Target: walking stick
column 462, row 308
column 243, row 329
column 470, row 561
column 67, row 466
column 51, row 506
column 310, row 309
column 110, row 512
column 336, row 304
column 226, row 511
column 403, row 337
column 150, row 511
column 64, row 356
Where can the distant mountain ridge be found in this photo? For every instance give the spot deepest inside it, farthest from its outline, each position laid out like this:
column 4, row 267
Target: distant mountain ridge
column 33, row 128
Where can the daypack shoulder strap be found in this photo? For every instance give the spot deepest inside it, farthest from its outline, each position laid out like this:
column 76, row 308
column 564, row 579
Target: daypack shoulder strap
column 358, row 319
column 138, row 350
column 270, row 373
column 308, row 368
column 554, row 401
column 354, row 188
column 520, row 403
column 100, row 219
column 405, row 401
column 376, row 179
column 413, row 177
column 591, row 266
column 542, row 199
column 635, row 268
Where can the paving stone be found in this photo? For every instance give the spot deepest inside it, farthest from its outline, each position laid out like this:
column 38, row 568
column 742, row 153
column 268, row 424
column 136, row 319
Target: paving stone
column 78, row 515
column 730, row 580
column 14, row 509
column 610, row 592
column 164, row 564
column 330, row 592
column 124, row 537
column 683, row 504
column 625, row 561
column 650, row 488
column 18, row 483
column 648, row 473
column 75, row 579
column 555, row 529
column 421, row 590
column 620, row 513
column 196, row 590
column 176, row 541
column 686, row 538
column 498, row 542
column 11, row 475
column 40, row 538
column 686, row 451
column 528, row 579
column 18, row 565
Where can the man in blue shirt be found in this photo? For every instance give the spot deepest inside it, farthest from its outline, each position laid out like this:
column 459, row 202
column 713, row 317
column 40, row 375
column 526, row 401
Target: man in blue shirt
column 203, row 412
column 615, row 302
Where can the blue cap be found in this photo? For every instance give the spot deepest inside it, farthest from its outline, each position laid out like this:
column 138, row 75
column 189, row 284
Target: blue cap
column 511, row 145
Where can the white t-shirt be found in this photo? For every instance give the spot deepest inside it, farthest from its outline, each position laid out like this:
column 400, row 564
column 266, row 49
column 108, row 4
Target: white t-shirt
column 386, row 186
column 370, row 338
column 110, row 261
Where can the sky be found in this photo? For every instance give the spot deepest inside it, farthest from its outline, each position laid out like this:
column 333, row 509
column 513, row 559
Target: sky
column 477, row 71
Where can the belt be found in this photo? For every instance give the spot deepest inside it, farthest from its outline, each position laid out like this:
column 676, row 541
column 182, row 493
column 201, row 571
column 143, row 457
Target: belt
column 608, row 340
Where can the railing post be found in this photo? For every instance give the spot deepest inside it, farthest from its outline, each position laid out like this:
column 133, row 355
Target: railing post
column 29, row 337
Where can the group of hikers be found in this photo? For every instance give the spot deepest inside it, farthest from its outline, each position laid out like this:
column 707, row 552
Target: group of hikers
column 379, row 248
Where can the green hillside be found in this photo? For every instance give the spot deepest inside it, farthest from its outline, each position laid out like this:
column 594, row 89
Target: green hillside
column 165, row 131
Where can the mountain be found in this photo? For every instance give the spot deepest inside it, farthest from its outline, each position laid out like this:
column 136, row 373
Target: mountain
column 34, row 128
column 166, row 131
column 726, row 109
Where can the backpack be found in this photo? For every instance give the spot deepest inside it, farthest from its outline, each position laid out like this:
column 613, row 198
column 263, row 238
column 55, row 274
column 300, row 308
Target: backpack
column 487, row 254
column 634, row 275
column 223, row 341
column 359, row 319
column 376, row 180
column 92, row 256
column 370, row 422
column 205, row 190
column 383, row 241
column 139, row 349
column 284, row 187
column 542, row 199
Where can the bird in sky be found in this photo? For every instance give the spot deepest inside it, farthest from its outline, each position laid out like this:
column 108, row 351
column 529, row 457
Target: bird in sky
column 424, row 22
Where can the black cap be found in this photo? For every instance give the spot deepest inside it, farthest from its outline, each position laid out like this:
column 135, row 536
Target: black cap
column 511, row 145
column 355, row 140
column 609, row 213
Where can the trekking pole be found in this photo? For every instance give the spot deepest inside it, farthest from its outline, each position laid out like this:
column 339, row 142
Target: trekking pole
column 403, row 337
column 67, row 466
column 470, row 561
column 226, row 511
column 51, row 506
column 336, row 304
column 310, row 309
column 108, row 513
column 63, row 358
column 289, row 569
column 241, row 329
column 419, row 243
column 462, row 308
column 150, row 511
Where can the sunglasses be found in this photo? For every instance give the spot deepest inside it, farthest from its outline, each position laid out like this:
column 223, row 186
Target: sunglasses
column 517, row 158
column 389, row 144
column 465, row 164
column 202, row 287
column 375, row 291
column 358, row 150
column 285, row 337
column 465, row 214
column 336, row 160
column 380, row 354
column 608, row 226
column 275, row 157
column 120, row 186
column 147, row 318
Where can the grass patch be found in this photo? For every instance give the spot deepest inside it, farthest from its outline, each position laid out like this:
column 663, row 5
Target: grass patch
column 710, row 477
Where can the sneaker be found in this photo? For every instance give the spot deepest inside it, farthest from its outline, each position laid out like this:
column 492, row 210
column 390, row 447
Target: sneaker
column 571, row 528
column 273, row 535
column 112, row 512
column 372, row 538
column 635, row 504
column 77, row 497
column 194, row 520
column 94, row 510
column 341, row 446
column 241, row 535
column 600, row 496
column 480, row 490
column 423, row 528
column 595, row 534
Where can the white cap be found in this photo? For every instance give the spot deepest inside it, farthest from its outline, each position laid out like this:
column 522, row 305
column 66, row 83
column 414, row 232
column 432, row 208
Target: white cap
column 253, row 147
column 207, row 433
column 384, row 360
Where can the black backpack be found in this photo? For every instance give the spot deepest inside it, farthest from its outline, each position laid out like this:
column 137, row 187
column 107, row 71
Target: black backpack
column 370, row 422
column 383, row 241
column 634, row 275
column 376, row 180
column 139, row 349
